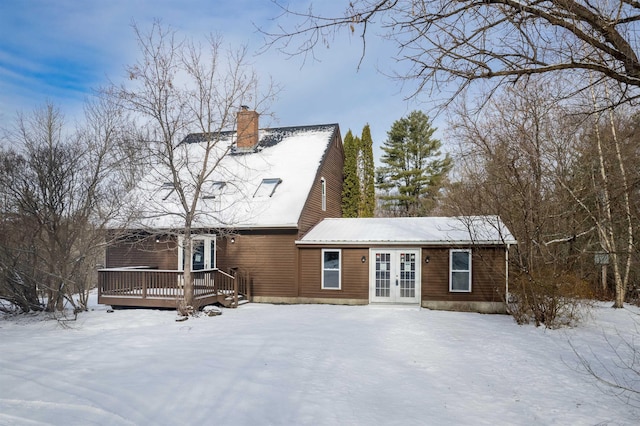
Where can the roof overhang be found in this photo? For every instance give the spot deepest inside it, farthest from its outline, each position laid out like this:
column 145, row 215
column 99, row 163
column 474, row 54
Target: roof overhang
column 405, row 243
column 410, row 231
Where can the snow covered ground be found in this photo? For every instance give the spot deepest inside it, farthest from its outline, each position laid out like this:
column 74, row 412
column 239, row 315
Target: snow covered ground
column 307, row 364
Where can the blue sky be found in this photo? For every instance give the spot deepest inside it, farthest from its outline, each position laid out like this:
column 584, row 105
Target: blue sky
column 61, row 50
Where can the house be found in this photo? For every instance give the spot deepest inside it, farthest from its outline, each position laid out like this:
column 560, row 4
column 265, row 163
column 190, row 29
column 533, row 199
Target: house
column 267, row 191
column 450, row 263
column 269, row 228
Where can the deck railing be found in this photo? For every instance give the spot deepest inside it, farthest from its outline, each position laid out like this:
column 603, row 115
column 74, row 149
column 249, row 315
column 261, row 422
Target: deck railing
column 148, row 283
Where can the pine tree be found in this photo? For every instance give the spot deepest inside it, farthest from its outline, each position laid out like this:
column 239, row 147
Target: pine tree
column 351, row 183
column 414, row 168
column 366, row 174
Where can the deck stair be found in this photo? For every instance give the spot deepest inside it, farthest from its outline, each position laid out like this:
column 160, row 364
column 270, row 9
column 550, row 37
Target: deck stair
column 228, row 300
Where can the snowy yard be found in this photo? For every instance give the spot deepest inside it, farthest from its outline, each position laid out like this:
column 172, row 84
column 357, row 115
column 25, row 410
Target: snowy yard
column 305, row 364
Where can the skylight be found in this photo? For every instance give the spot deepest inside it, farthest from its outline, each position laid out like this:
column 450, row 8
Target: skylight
column 166, row 189
column 267, row 187
column 214, row 190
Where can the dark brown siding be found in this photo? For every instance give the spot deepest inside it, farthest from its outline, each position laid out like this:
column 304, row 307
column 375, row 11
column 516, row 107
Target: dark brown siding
column 355, row 274
column 487, row 281
column 331, row 171
column 143, row 252
column 268, row 256
column 488, row 275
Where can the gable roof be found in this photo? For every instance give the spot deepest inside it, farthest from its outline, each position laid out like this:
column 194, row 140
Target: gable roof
column 410, row 231
column 288, row 158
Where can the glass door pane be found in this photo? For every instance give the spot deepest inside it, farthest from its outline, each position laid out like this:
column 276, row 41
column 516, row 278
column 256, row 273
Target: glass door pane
column 383, row 274
column 197, row 248
column 407, row 275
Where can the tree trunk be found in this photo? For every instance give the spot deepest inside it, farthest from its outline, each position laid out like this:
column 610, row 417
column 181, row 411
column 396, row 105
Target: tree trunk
column 621, row 282
column 188, row 297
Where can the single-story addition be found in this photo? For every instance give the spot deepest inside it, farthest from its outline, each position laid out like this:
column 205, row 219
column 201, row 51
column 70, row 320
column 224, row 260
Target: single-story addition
column 450, row 263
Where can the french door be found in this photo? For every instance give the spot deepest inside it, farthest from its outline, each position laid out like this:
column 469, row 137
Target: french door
column 203, row 253
column 394, row 275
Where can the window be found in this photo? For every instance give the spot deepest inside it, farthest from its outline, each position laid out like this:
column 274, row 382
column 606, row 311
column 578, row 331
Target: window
column 267, row 187
column 166, row 190
column 323, row 188
column 460, row 271
column 214, row 190
column 331, row 269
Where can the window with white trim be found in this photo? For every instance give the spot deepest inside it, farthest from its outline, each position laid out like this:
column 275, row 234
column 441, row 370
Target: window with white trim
column 460, row 271
column 323, row 189
column 331, row 266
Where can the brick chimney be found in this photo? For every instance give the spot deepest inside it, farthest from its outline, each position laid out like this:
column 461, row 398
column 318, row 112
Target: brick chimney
column 247, row 129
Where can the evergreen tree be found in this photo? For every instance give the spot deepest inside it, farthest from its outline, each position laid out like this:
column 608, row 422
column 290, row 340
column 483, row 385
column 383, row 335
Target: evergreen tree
column 414, row 168
column 351, row 183
column 366, row 175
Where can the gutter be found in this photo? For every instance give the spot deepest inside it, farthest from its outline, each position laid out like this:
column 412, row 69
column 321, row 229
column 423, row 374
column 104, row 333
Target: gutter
column 506, row 274
column 402, row 243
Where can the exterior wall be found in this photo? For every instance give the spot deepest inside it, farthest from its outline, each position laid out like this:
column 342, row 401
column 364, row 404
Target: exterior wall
column 280, row 272
column 487, row 285
column 354, row 278
column 143, row 252
column 481, row 307
column 331, row 170
column 487, row 275
column 269, row 257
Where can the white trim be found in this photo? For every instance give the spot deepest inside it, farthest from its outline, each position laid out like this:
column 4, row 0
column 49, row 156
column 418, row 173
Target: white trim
column 401, row 243
column 323, row 191
column 506, row 273
column 451, row 271
column 394, row 296
column 322, row 269
column 209, row 258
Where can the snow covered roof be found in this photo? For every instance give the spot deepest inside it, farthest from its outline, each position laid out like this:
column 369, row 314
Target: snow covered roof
column 410, row 230
column 263, row 187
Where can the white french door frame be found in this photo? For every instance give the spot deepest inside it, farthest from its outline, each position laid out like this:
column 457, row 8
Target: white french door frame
column 391, row 277
column 208, row 244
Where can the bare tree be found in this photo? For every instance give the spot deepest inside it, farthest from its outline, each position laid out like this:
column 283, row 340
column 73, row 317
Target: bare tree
column 18, row 283
column 457, row 42
column 617, row 371
column 557, row 176
column 176, row 88
column 610, row 207
column 510, row 154
column 62, row 187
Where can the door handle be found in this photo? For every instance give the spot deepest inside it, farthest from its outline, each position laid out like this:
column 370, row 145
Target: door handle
column 396, row 282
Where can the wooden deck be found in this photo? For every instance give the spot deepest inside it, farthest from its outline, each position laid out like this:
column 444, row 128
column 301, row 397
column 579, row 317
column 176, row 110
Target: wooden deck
column 156, row 288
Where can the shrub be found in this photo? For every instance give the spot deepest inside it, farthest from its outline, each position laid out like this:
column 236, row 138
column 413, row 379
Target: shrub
column 553, row 299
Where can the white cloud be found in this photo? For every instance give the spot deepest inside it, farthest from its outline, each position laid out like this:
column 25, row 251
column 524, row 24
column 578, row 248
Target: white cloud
column 61, row 51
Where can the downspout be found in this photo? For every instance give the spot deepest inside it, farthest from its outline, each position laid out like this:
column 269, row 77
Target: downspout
column 506, row 274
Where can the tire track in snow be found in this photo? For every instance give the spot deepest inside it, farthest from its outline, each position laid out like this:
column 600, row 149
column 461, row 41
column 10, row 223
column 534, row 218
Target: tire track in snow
column 52, row 410
column 59, row 384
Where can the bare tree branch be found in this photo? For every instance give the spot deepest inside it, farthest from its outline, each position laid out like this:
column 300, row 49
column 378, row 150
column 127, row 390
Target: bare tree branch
column 446, row 42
